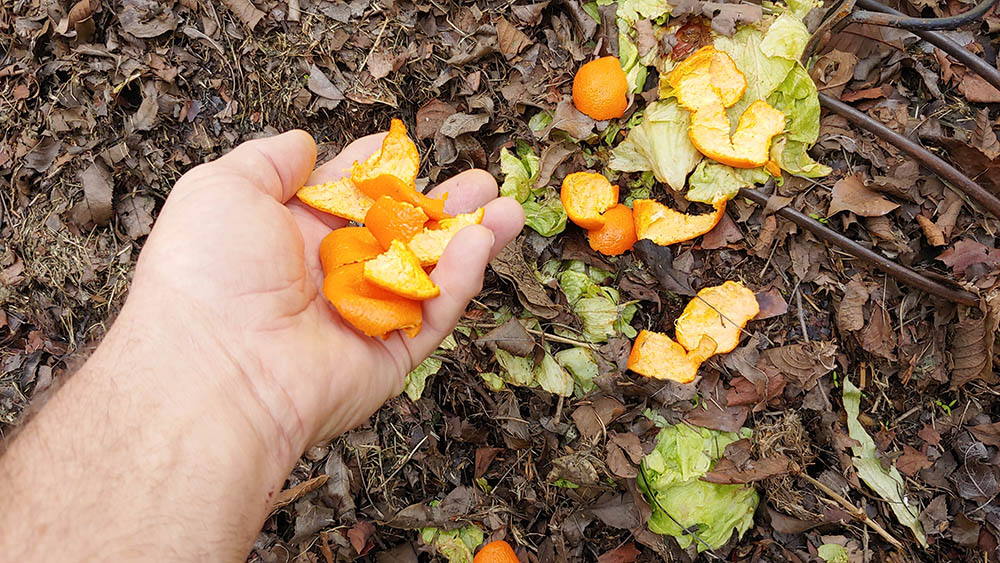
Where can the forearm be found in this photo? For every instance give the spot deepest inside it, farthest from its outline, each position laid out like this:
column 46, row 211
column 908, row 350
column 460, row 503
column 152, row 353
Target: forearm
column 148, row 447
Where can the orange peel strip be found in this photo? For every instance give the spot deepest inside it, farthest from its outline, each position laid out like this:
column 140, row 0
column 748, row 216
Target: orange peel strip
column 708, row 82
column 340, row 197
column 347, row 245
column 369, row 308
column 665, row 226
column 656, row 355
column 618, row 233
column 398, row 270
column 428, row 245
column 586, row 196
column 719, row 312
column 390, row 220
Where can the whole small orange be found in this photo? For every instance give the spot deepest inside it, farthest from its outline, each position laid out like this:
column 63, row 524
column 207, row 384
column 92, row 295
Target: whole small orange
column 600, row 89
column 496, row 552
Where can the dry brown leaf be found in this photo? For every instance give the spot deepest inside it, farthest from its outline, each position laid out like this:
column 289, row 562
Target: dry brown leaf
column 851, row 312
column 95, row 209
column 529, row 14
column 136, row 214
column 934, row 235
column 485, row 457
column 509, row 337
column 359, row 534
column 145, row 117
column 247, row 12
column 431, row 116
column 726, row 472
column 622, row 554
column 288, row 496
column 877, row 336
column 552, row 156
column 988, row 434
column 461, row 123
column 967, row 252
column 381, row 63
column 772, row 304
column 984, row 138
column 971, row 351
column 850, row 194
column 725, row 233
column 912, row 461
column 833, row 71
column 141, row 21
column 567, row 118
column 511, row 266
column 319, row 84
column 510, row 39
column 803, row 363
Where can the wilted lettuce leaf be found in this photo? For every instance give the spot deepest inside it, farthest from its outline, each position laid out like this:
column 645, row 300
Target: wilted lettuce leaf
column 671, row 480
column 492, row 380
column 598, row 315
column 575, row 284
column 786, row 38
column 661, row 144
column 636, row 68
column 553, row 378
column 520, row 172
column 763, row 73
column 797, row 97
column 635, row 10
column 888, row 483
column 457, row 546
column 518, row 369
column 833, row 553
column 545, row 213
column 712, row 181
column 581, row 364
column 416, row 380
column 624, row 322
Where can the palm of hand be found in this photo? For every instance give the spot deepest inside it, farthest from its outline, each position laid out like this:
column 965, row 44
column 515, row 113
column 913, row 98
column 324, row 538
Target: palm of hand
column 244, row 267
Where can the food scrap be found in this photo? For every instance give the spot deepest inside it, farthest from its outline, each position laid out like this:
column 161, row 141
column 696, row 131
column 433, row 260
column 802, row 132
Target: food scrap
column 600, row 89
column 665, row 226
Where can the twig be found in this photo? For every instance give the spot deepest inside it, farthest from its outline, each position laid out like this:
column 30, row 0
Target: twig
column 684, row 529
column 854, row 511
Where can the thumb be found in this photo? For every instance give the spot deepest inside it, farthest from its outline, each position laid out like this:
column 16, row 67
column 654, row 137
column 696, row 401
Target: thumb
column 277, row 166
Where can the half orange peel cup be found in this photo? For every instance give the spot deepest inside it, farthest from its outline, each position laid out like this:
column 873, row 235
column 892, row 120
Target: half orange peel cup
column 586, row 196
column 711, row 324
column 708, row 82
column 665, row 226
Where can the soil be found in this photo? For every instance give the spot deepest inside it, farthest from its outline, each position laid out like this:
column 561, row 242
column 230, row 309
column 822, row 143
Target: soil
column 104, row 104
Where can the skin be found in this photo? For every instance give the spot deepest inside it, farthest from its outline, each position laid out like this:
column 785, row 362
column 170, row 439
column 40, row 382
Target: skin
column 223, row 366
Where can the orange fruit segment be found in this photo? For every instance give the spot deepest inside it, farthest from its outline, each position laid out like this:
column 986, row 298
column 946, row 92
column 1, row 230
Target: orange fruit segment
column 656, row 355
column 398, row 270
column 341, row 198
column 665, row 226
column 347, row 245
column 719, row 312
column 390, row 220
column 370, row 309
column 586, row 196
column 708, row 82
column 600, row 89
column 618, row 233
column 496, row 552
column 428, row 245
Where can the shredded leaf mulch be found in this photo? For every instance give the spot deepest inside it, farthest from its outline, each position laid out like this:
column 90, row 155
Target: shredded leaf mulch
column 857, row 420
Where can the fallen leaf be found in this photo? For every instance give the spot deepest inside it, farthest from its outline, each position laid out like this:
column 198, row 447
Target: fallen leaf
column 971, row 351
column 529, row 14
column 984, row 138
column 622, row 554
column 288, row 496
column 710, row 412
column 380, row 63
column 722, row 235
column 510, row 337
column 569, row 119
column 967, row 252
column 660, row 260
column 934, row 234
column 616, row 510
column 95, row 209
column 964, row 531
column 912, row 461
column 934, row 518
column 460, row 123
column 510, row 265
column 772, row 304
column 136, row 214
column 245, row 11
column 988, row 434
column 338, row 488
column 930, row 435
column 588, row 423
column 803, row 363
column 40, row 157
column 319, row 84
column 851, row 313
column 430, row 118
column 726, row 472
column 877, row 336
column 552, row 156
column 575, row 468
column 142, row 20
column 359, row 535
column 510, row 39
column 484, row 457
column 145, row 117
column 850, row 194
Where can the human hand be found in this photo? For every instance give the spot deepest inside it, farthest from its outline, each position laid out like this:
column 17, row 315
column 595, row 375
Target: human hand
column 233, row 261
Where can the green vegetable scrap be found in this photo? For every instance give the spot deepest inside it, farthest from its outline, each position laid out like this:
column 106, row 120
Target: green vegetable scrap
column 543, row 211
column 457, row 546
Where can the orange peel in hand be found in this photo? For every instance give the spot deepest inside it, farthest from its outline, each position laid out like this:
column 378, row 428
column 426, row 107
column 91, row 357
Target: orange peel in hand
column 586, row 196
column 708, row 82
column 347, row 245
column 368, row 308
column 720, row 313
column 656, row 355
column 398, row 270
column 665, row 226
column 618, row 233
column 428, row 245
column 600, row 89
column 390, row 220
column 341, row 198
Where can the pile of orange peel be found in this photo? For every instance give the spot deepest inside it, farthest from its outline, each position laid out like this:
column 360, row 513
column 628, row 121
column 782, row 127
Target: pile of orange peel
column 710, row 324
column 377, row 273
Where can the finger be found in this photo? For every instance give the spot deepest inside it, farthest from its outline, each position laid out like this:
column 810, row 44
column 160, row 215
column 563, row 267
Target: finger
column 277, row 166
column 467, row 191
column 300, row 209
column 340, row 165
column 505, row 217
column 459, row 274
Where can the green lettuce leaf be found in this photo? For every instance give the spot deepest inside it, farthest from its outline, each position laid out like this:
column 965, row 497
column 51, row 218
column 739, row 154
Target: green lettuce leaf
column 519, row 370
column 416, row 380
column 580, row 363
column 635, row 10
column 671, row 481
column 545, row 215
column 598, row 315
column 520, row 172
column 888, row 483
column 493, row 381
column 553, row 378
column 797, row 97
column 576, row 284
column 457, row 546
column 712, row 181
column 660, row 144
column 833, row 553
column 786, row 38
column 763, row 73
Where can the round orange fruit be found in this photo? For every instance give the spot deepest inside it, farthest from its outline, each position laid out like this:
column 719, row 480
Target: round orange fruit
column 618, row 233
column 496, row 552
column 600, row 89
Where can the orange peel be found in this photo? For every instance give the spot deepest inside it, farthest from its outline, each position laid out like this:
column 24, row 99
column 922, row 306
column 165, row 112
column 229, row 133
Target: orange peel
column 428, row 245
column 720, row 313
column 370, row 309
column 665, row 226
column 586, row 196
column 390, row 220
column 340, row 197
column 347, row 245
column 618, row 233
column 398, row 270
column 708, row 82
column 656, row 355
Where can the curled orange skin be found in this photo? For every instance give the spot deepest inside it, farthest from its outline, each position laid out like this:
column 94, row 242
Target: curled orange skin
column 665, row 226
column 718, row 312
column 387, row 185
column 600, row 89
column 586, row 196
column 347, row 245
column 370, row 309
column 341, row 198
column 428, row 245
column 390, row 220
column 656, row 355
column 708, row 82
column 398, row 270
column 618, row 233
column 496, row 552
